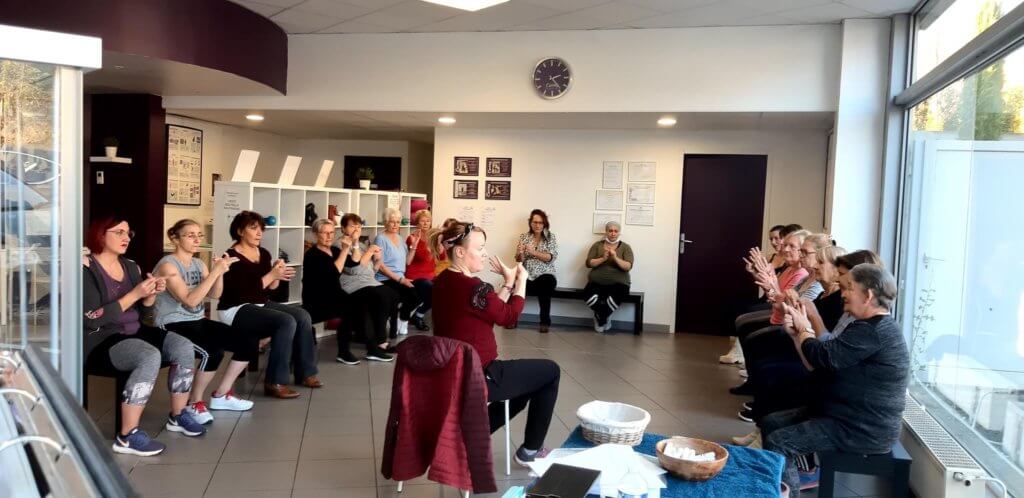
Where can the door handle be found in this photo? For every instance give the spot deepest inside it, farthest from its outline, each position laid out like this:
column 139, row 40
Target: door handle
column 682, row 243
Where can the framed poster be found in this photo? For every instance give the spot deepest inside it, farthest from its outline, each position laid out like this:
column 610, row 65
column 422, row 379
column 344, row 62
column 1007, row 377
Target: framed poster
column 498, row 191
column 609, row 200
column 640, row 193
column 184, row 165
column 640, row 215
column 467, row 166
column 499, row 166
column 600, row 219
column 465, row 189
column 642, row 172
column 611, row 176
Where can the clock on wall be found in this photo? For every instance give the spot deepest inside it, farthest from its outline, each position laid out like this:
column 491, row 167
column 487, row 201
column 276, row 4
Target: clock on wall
column 551, row 78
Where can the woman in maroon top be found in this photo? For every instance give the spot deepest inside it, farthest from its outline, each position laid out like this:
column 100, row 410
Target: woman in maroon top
column 467, row 308
column 420, row 266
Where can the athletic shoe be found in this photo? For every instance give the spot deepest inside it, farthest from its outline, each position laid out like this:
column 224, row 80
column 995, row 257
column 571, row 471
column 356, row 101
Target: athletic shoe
column 185, row 424
column 379, row 356
column 746, row 415
column 746, row 440
column 199, row 412
column 347, row 358
column 744, row 389
column 809, row 480
column 597, row 326
column 522, row 457
column 421, row 324
column 230, row 402
column 748, row 405
column 744, row 374
column 137, row 442
column 403, row 327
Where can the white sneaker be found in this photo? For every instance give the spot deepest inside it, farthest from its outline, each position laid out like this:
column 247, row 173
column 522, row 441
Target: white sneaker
column 746, row 440
column 230, row 402
column 199, row 412
column 403, row 327
column 597, row 327
column 743, row 373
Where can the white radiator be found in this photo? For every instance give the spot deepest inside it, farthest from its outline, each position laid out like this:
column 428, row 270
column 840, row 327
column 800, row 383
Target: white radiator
column 937, row 457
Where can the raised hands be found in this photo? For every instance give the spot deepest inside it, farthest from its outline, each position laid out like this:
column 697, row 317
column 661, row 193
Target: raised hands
column 150, row 287
column 281, row 271
column 507, row 272
column 223, row 263
column 796, row 321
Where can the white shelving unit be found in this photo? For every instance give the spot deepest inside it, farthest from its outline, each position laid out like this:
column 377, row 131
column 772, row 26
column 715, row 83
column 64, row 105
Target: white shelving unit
column 288, row 205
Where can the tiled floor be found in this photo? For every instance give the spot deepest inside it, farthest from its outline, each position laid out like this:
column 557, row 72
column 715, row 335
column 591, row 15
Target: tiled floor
column 328, row 443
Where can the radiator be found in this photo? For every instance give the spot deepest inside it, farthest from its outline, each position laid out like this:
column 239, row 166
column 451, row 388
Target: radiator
column 937, row 457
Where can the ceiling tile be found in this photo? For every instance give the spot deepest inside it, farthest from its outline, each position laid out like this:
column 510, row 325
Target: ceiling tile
column 259, row 8
column 374, row 4
column 830, row 13
column 884, row 7
column 774, row 6
column 409, row 15
column 570, row 21
column 294, row 21
column 276, row 3
column 766, row 20
column 670, row 5
column 500, row 17
column 563, row 5
column 717, row 14
column 617, row 12
column 355, row 26
column 332, row 8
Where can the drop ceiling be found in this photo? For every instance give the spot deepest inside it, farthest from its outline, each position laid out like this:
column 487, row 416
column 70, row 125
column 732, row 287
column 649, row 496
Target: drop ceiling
column 416, row 16
column 419, row 126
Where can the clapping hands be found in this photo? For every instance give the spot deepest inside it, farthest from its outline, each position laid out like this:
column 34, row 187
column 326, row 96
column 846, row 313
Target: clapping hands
column 281, row 271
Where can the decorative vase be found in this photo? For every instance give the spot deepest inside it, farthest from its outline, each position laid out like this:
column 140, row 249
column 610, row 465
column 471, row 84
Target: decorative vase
column 111, row 151
column 364, row 184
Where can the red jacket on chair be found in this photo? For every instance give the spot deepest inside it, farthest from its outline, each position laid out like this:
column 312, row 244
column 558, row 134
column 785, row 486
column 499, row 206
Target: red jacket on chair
column 438, row 416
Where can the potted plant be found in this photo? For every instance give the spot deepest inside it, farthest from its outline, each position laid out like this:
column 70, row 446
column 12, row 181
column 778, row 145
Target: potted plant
column 365, row 176
column 110, row 146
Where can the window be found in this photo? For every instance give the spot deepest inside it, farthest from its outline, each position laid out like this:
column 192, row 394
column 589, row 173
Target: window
column 963, row 261
column 944, row 26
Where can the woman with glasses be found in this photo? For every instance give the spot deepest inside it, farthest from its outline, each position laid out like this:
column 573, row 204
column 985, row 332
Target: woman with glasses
column 119, row 335
column 322, row 295
column 467, row 308
column 181, row 311
column 395, row 256
column 537, row 250
column 372, row 303
column 610, row 261
column 245, row 303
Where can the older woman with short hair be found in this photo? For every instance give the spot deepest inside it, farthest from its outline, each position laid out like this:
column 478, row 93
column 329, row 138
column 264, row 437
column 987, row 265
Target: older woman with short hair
column 421, row 266
column 395, row 256
column 862, row 405
column 610, row 261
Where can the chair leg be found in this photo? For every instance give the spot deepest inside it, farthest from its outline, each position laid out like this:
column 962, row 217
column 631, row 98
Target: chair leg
column 508, row 443
column 119, row 385
column 826, row 482
column 465, row 494
column 900, row 483
column 400, row 486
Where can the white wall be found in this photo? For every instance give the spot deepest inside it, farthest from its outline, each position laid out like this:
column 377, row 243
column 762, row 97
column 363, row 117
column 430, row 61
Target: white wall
column 558, row 171
column 758, row 68
column 222, row 143
column 854, row 213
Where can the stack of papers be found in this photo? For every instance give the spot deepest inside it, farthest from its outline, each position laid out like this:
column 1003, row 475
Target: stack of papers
column 614, row 461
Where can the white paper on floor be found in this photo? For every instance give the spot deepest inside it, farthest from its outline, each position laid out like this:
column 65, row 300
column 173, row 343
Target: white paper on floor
column 613, row 461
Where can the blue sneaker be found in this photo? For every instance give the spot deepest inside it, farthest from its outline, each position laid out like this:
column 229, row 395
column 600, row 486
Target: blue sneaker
column 185, row 424
column 809, row 480
column 137, row 442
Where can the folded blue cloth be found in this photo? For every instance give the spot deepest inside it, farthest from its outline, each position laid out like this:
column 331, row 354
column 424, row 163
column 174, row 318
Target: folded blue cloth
column 748, row 473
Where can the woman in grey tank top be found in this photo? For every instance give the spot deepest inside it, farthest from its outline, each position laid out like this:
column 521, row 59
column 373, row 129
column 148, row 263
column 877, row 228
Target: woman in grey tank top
column 181, row 310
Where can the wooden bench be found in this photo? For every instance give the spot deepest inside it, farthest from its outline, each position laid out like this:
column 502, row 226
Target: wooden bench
column 636, row 298
column 894, row 465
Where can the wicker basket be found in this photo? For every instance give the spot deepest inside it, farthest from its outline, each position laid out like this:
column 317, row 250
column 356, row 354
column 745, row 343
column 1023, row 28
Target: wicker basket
column 619, row 423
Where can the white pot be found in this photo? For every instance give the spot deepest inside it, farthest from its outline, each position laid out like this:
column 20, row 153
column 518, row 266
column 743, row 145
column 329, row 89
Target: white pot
column 111, row 151
column 364, row 184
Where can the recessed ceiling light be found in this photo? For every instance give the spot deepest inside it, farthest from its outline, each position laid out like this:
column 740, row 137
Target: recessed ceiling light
column 667, row 121
column 446, row 120
column 470, row 5
column 254, row 117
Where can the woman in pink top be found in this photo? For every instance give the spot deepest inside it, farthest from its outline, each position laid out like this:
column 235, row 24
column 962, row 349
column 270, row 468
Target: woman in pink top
column 776, row 288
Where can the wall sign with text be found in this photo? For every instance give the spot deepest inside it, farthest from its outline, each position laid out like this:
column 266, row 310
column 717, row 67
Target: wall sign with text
column 184, row 165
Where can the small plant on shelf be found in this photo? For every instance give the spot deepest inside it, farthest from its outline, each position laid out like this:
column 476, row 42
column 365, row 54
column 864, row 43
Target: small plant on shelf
column 110, row 145
column 365, row 176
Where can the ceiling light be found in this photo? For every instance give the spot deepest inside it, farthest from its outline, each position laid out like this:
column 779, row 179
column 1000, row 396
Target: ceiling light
column 667, row 121
column 470, row 5
column 254, row 117
column 447, row 120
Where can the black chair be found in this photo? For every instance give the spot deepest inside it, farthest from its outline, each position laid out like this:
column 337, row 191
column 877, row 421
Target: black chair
column 894, row 465
column 120, row 379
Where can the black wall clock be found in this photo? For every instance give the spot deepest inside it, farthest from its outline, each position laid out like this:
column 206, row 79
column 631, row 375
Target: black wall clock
column 552, row 78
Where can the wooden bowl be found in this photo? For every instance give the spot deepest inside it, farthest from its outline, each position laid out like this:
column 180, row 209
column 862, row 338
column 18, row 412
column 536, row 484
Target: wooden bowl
column 692, row 471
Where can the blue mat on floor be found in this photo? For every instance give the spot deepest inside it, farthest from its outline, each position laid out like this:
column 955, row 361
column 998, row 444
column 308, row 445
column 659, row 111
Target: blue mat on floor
column 747, row 474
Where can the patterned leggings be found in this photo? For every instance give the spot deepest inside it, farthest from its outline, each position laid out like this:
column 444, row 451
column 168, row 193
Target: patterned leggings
column 142, row 353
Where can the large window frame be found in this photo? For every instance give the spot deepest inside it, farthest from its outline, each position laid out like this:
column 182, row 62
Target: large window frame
column 999, row 40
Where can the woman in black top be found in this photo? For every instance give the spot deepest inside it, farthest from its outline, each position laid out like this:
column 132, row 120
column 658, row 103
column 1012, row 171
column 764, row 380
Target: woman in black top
column 245, row 304
column 372, row 302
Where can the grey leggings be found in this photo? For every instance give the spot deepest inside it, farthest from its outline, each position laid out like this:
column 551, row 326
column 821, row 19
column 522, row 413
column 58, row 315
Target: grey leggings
column 142, row 353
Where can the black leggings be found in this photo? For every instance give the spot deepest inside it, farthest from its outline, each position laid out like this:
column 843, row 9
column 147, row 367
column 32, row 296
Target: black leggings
column 291, row 338
column 407, row 297
column 542, row 287
column 215, row 337
column 603, row 309
column 424, row 290
column 533, row 382
column 371, row 307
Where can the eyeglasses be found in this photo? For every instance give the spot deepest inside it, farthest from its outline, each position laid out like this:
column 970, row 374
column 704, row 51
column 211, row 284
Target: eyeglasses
column 331, row 232
column 123, row 233
column 804, row 253
column 194, row 236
